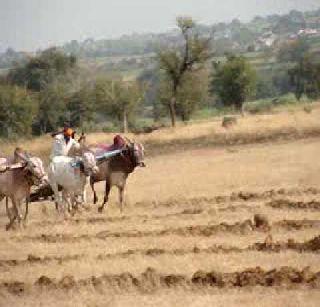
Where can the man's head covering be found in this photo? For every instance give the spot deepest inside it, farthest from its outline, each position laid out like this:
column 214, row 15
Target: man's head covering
column 68, row 131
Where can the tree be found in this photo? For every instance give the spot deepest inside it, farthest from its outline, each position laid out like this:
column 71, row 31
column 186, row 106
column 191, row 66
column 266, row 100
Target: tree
column 52, row 108
column 305, row 77
column 51, row 75
column 154, row 94
column 17, row 111
column 119, row 98
column 190, row 95
column 293, row 51
column 291, row 23
column 177, row 62
column 42, row 70
column 265, row 87
column 81, row 106
column 234, row 81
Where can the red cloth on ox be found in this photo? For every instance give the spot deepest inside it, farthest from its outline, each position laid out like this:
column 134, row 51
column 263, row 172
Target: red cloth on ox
column 118, row 143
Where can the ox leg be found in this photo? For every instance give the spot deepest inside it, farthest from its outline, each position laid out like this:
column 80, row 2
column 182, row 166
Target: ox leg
column 76, row 201
column 18, row 210
column 106, row 196
column 84, row 197
column 95, row 197
column 67, row 201
column 121, row 197
column 27, row 209
column 73, row 203
column 9, row 211
column 15, row 215
column 8, row 226
column 58, row 199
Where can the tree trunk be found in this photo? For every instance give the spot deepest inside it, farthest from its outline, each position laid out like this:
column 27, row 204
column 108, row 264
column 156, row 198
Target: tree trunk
column 242, row 110
column 172, row 110
column 240, row 107
column 124, row 121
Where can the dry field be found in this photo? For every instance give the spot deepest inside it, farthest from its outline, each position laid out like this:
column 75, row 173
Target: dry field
column 187, row 236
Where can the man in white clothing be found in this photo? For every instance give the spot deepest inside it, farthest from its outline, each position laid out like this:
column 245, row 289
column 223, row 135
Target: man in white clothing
column 63, row 143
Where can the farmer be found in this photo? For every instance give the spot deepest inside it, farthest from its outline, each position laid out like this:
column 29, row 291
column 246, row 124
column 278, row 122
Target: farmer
column 63, row 142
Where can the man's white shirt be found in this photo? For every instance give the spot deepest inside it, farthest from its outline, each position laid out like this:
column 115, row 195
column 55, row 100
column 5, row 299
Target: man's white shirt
column 61, row 148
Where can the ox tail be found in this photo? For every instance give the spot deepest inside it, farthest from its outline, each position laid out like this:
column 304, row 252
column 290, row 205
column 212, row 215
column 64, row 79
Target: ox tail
column 7, row 206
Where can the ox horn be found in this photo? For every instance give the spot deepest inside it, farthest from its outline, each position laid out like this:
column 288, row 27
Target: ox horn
column 128, row 140
column 19, row 153
column 24, row 156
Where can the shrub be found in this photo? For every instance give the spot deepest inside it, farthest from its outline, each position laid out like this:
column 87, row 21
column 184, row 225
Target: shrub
column 286, row 99
column 259, row 106
column 17, row 111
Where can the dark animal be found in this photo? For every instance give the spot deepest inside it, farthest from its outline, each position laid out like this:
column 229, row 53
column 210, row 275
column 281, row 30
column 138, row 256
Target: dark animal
column 115, row 171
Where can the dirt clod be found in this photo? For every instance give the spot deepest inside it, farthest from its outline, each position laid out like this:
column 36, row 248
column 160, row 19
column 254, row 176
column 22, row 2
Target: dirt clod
column 228, row 121
column 261, row 221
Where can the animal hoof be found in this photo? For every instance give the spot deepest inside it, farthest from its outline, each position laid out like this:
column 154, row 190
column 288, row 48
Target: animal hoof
column 100, row 209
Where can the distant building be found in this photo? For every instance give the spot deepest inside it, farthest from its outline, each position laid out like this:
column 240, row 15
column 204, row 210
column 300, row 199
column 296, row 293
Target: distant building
column 308, row 32
column 266, row 40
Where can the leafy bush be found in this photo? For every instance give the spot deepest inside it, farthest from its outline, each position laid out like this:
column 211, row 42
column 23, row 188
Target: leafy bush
column 266, row 105
column 233, row 81
column 286, row 99
column 17, row 111
column 259, row 106
column 110, row 127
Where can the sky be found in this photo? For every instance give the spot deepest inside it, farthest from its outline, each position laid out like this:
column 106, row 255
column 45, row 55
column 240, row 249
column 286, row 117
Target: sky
column 32, row 24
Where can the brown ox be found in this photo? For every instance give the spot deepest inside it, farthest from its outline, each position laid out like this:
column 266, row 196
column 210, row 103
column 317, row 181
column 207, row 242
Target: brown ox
column 115, row 171
column 16, row 181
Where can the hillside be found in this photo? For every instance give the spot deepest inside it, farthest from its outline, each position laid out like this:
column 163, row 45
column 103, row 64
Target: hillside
column 130, row 54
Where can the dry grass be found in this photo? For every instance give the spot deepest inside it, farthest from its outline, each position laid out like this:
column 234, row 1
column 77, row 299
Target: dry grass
column 177, row 190
column 285, row 124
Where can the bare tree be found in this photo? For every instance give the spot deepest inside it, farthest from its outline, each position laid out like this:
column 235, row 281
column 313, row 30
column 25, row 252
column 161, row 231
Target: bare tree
column 178, row 61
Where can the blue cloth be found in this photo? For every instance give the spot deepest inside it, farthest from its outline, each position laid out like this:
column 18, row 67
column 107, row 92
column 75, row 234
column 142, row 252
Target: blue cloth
column 104, row 156
column 76, row 164
column 109, row 154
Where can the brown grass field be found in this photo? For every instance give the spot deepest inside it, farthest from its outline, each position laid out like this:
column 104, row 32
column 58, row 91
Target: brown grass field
column 187, row 236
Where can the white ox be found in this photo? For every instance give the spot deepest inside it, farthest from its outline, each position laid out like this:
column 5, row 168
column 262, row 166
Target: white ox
column 72, row 175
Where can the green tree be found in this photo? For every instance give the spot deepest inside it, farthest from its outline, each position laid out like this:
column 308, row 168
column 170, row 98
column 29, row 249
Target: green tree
column 42, row 70
column 192, row 93
column 154, row 94
column 81, row 106
column 119, row 98
column 52, row 108
column 293, row 51
column 177, row 62
column 17, row 111
column 51, row 75
column 265, row 86
column 290, row 23
column 233, row 81
column 305, row 77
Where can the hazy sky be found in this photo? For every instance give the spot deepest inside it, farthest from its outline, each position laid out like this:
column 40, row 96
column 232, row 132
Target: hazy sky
column 32, row 24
